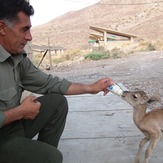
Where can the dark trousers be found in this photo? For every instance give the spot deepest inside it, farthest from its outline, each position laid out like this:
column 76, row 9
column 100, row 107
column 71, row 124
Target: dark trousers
column 16, row 144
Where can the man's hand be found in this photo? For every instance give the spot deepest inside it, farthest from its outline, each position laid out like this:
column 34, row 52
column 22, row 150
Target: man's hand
column 30, row 107
column 102, row 85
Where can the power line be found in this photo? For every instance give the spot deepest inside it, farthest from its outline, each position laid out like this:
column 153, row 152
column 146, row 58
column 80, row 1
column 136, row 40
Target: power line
column 76, row 1
column 116, row 4
column 130, row 4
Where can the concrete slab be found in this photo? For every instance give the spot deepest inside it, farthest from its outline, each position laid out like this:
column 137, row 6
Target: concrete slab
column 100, row 129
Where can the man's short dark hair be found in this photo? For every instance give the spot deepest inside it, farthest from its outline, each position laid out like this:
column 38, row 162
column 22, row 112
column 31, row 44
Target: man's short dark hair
column 10, row 8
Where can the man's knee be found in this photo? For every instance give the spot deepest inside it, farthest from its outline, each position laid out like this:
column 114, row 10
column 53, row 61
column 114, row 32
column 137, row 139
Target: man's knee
column 58, row 101
column 53, row 99
column 58, row 97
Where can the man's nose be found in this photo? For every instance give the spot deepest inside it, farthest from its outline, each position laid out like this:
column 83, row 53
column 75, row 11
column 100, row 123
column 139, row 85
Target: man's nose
column 28, row 36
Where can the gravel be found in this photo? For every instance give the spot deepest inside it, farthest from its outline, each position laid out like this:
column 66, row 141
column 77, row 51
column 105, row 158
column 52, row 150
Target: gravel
column 143, row 71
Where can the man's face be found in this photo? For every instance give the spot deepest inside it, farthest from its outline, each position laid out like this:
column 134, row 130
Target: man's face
column 14, row 38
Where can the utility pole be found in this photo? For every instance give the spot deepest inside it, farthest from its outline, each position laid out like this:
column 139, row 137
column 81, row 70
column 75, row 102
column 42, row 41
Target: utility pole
column 50, row 57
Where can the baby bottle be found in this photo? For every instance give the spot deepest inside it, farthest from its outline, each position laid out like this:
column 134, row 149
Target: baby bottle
column 116, row 89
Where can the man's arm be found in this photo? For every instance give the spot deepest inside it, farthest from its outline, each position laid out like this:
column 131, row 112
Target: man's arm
column 28, row 109
column 101, row 85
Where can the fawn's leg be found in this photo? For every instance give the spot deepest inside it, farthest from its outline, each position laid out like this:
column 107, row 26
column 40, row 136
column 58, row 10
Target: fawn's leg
column 141, row 145
column 154, row 138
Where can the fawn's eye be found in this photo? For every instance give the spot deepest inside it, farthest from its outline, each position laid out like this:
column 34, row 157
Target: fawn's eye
column 134, row 96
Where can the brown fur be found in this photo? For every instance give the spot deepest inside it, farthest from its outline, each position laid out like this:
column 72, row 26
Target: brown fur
column 150, row 123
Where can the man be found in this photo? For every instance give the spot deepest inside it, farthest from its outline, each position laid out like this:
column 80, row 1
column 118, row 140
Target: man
column 46, row 115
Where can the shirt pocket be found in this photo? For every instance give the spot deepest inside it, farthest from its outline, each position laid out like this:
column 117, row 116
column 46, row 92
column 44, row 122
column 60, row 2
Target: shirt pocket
column 7, row 98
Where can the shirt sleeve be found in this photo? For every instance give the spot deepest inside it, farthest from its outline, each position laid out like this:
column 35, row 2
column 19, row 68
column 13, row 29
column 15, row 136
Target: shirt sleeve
column 2, row 118
column 37, row 81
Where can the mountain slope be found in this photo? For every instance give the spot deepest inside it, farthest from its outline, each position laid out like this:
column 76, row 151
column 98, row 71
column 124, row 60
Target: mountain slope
column 71, row 30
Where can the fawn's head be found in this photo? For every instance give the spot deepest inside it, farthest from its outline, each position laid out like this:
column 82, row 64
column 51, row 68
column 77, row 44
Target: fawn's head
column 138, row 98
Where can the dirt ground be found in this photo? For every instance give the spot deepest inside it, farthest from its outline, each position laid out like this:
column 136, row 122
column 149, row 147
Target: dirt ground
column 138, row 71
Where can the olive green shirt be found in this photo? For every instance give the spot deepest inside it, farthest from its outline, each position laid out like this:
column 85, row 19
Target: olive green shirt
column 17, row 74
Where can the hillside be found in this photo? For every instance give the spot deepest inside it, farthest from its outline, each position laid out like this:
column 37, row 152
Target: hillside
column 71, row 30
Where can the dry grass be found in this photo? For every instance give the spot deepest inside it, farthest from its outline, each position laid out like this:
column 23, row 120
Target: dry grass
column 78, row 55
column 73, row 55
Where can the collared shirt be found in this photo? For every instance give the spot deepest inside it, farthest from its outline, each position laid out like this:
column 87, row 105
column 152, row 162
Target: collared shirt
column 18, row 74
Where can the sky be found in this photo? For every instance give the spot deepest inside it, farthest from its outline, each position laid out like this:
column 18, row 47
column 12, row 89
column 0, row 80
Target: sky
column 47, row 10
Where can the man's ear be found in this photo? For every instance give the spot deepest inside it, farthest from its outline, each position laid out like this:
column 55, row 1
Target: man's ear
column 2, row 27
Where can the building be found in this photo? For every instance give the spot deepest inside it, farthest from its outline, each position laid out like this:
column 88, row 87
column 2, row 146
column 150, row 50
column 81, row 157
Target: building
column 109, row 39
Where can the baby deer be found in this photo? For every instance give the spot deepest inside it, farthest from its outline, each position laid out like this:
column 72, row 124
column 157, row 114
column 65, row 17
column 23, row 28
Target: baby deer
column 150, row 123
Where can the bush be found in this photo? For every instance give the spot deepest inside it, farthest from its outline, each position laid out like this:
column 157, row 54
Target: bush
column 115, row 53
column 97, row 55
column 151, row 47
column 103, row 54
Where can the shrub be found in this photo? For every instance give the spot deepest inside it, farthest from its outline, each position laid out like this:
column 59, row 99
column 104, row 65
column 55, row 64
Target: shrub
column 115, row 53
column 151, row 47
column 104, row 54
column 97, row 55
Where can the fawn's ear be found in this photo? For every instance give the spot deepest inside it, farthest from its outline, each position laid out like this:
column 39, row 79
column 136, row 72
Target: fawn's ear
column 153, row 98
